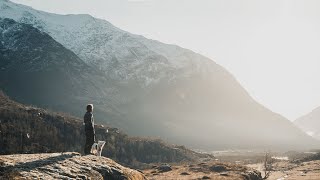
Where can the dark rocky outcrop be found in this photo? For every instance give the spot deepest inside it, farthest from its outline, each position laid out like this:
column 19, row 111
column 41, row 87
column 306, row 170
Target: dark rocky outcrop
column 303, row 157
column 218, row 168
column 252, row 175
column 164, row 168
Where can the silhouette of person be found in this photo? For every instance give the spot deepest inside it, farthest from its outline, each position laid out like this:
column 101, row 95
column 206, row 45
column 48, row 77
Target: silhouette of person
column 89, row 129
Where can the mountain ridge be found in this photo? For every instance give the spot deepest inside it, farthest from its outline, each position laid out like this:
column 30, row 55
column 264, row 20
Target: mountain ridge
column 80, row 42
column 160, row 87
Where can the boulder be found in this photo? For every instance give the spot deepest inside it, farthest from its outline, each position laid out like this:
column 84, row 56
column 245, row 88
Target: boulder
column 218, row 168
column 184, row 174
column 206, row 177
column 252, row 175
column 64, row 166
column 164, row 168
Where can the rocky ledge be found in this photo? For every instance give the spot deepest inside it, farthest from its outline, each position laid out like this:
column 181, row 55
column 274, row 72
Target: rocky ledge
column 64, row 166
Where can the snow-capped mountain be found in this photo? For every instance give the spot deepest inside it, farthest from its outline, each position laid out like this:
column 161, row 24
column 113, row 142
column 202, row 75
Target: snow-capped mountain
column 120, row 54
column 155, row 89
column 310, row 123
column 38, row 70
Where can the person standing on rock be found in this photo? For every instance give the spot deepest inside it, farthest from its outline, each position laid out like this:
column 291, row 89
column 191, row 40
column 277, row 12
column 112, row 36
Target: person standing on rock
column 89, row 129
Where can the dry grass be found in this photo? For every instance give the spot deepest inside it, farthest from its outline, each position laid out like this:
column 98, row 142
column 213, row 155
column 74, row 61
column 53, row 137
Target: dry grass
column 212, row 170
column 293, row 171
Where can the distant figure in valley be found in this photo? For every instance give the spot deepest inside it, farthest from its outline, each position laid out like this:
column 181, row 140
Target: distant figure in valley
column 89, row 129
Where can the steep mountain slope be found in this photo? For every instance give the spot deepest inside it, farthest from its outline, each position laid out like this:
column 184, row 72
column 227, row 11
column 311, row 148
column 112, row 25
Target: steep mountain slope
column 161, row 90
column 310, row 123
column 123, row 56
column 38, row 70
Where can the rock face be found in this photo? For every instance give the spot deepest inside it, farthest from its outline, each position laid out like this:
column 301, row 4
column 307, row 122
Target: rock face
column 35, row 68
column 64, row 166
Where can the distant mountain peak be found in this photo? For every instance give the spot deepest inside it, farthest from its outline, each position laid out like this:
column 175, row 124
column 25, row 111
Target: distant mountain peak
column 310, row 123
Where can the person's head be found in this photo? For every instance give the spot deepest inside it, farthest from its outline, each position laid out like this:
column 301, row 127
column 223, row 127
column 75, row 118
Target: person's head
column 90, row 107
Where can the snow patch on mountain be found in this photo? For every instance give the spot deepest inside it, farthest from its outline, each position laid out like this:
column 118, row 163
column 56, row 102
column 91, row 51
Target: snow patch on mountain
column 121, row 55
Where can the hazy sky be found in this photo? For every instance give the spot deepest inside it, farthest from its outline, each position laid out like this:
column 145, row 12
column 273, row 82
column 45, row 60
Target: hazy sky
column 272, row 47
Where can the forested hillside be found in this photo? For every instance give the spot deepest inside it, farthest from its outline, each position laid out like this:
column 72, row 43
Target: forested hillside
column 27, row 129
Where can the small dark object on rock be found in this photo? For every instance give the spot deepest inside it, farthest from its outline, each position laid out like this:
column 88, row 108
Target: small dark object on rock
column 164, row 168
column 218, row 168
column 139, row 170
column 206, row 177
column 184, row 174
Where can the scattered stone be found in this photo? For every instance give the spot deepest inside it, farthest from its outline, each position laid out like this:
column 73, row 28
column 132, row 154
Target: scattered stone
column 164, row 168
column 196, row 169
column 184, row 174
column 206, row 177
column 224, row 174
column 218, row 168
column 252, row 175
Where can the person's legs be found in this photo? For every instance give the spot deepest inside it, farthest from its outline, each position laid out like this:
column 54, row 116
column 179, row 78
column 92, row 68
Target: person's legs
column 89, row 141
